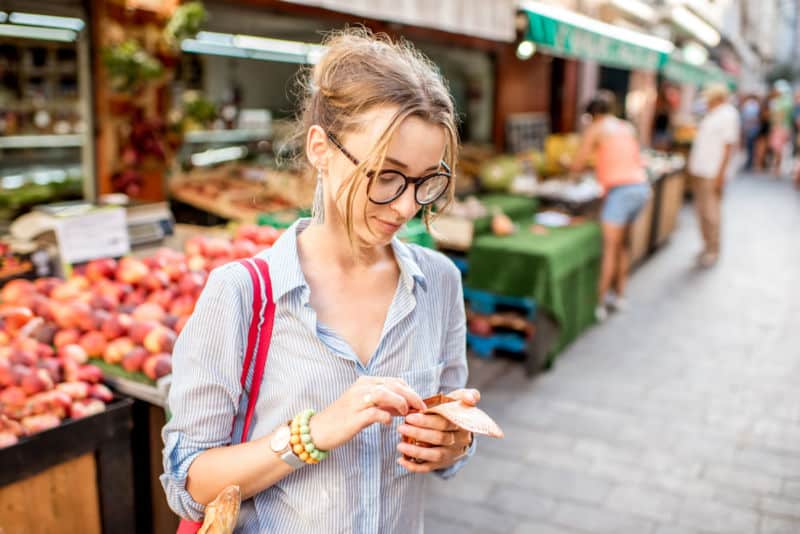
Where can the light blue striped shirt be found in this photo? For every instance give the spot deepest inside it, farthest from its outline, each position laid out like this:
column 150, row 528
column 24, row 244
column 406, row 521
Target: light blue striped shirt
column 360, row 488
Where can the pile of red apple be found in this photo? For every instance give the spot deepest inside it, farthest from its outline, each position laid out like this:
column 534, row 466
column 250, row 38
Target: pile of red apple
column 127, row 312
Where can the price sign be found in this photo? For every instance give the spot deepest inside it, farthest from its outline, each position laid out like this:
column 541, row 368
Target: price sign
column 94, row 234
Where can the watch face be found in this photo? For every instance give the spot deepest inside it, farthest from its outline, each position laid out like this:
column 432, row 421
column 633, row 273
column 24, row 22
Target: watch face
column 280, row 439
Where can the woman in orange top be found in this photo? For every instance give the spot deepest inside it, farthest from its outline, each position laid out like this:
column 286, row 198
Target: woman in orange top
column 620, row 172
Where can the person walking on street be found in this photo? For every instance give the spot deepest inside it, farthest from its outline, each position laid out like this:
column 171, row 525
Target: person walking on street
column 709, row 163
column 614, row 144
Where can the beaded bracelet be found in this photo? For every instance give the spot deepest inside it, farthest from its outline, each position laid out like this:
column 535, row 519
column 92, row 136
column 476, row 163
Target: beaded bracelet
column 302, row 445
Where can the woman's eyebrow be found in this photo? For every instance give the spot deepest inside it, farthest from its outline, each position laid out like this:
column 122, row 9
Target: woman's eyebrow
column 402, row 165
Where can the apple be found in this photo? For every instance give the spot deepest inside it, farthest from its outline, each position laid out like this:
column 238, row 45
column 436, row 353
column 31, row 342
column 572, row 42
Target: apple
column 131, row 271
column 139, row 330
column 157, row 365
column 66, row 337
column 116, row 326
column 195, row 246
column 133, row 360
column 100, row 269
column 76, row 390
column 94, row 343
column 117, row 349
column 75, row 353
column 14, row 290
column 149, row 312
column 86, row 408
column 160, row 339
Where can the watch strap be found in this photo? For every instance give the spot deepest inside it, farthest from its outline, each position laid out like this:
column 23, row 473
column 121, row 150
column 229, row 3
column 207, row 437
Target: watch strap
column 291, row 458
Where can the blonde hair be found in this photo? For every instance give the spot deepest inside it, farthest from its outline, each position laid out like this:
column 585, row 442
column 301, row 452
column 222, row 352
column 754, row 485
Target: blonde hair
column 360, row 71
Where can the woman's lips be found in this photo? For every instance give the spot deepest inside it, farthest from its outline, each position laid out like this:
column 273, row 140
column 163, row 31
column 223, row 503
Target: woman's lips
column 389, row 226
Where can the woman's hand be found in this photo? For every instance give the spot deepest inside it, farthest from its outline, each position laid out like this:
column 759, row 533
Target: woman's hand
column 446, row 442
column 371, row 399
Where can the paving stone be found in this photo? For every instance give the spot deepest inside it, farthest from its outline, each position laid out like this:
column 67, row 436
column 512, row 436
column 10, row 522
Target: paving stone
column 565, row 484
column 543, row 528
column 784, row 507
column 713, row 516
column 474, row 515
column 522, row 502
column 777, row 525
column 743, row 479
column 651, row 504
column 600, row 520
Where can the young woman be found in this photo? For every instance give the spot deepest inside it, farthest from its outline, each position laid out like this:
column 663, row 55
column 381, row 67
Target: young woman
column 365, row 326
column 614, row 145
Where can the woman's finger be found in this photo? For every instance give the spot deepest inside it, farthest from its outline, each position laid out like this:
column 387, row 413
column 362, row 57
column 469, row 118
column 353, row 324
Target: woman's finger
column 467, row 396
column 415, row 467
column 432, row 421
column 385, row 398
column 413, row 399
column 428, row 454
column 426, row 435
column 375, row 415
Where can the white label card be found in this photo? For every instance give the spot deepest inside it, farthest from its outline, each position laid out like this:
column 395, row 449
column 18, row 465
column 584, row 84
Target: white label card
column 99, row 233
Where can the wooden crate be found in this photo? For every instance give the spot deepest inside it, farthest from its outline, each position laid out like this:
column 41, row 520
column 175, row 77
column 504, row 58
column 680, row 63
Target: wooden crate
column 75, row 478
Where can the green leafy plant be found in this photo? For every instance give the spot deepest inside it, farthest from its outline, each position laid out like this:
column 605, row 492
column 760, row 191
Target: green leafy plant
column 198, row 108
column 185, row 22
column 129, row 65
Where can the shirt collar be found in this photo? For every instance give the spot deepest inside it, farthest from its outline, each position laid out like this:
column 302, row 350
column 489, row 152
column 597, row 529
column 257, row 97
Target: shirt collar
column 287, row 275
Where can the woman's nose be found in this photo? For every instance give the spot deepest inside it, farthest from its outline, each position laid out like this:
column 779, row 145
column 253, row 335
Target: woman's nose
column 406, row 204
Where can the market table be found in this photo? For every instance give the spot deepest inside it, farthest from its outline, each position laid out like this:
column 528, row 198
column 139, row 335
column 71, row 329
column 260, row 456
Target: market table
column 517, row 208
column 559, row 270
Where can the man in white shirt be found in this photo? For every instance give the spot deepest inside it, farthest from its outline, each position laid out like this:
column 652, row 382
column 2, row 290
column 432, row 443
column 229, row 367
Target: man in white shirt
column 709, row 165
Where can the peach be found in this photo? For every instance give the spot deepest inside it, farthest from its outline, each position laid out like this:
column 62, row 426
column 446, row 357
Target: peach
column 163, row 298
column 13, row 396
column 101, row 269
column 160, row 339
column 267, row 235
column 89, row 373
column 24, row 357
column 94, row 343
column 175, row 270
column 74, row 352
column 149, row 312
column 66, row 292
column 6, row 378
column 86, row 407
column 217, row 247
column 15, row 317
column 195, row 246
column 81, row 316
column 13, row 291
column 197, row 263
column 66, row 337
column 53, row 368
column 36, row 382
column 136, row 297
column 181, row 324
column 191, row 284
column 44, row 333
column 44, row 351
column 76, row 390
column 157, row 365
column 7, row 439
column 101, row 392
column 117, row 349
column 154, row 281
column 247, row 231
column 116, row 326
column 244, row 248
column 134, row 359
column 39, row 423
column 139, row 330
column 108, row 302
column 131, row 271
column 54, row 402
column 45, row 286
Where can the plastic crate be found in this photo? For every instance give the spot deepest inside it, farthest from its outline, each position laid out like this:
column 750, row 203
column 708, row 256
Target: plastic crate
column 484, row 346
column 488, row 303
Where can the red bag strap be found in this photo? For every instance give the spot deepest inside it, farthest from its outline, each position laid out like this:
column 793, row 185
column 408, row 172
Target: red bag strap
column 257, row 344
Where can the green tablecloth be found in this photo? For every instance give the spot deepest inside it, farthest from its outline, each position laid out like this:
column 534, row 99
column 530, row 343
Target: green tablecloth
column 516, row 207
column 560, row 270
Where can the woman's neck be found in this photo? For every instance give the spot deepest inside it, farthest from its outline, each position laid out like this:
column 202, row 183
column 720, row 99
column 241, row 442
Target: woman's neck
column 329, row 241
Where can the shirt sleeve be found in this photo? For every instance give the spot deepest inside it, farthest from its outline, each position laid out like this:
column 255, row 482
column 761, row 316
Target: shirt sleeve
column 205, row 390
column 730, row 131
column 454, row 373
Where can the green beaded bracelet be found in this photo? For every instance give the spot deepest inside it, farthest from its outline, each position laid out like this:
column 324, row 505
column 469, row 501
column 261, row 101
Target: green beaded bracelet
column 302, row 443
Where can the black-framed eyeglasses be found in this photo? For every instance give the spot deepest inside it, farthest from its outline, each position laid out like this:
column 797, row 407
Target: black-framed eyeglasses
column 388, row 185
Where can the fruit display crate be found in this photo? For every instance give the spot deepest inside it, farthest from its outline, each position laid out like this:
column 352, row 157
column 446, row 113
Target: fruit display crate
column 75, row 478
column 134, row 384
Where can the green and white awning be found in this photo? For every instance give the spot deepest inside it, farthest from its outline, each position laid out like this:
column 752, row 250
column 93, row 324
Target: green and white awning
column 678, row 70
column 562, row 32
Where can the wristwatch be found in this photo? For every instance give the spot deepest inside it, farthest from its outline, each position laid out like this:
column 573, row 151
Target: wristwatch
column 281, row 444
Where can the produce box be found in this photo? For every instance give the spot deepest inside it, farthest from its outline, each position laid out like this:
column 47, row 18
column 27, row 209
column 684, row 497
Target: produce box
column 75, row 478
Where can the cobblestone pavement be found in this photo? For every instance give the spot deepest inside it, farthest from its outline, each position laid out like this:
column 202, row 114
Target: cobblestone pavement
column 680, row 416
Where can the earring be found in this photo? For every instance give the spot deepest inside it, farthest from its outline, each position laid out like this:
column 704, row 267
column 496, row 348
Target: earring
column 318, row 208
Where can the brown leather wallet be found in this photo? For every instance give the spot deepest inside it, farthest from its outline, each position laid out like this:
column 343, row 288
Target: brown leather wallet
column 462, row 415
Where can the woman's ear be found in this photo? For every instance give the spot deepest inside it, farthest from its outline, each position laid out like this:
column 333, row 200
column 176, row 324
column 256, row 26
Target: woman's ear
column 317, row 147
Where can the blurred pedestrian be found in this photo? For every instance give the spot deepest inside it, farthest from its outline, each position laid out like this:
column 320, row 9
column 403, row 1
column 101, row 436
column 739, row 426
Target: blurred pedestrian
column 709, row 163
column 780, row 112
column 615, row 146
column 751, row 125
column 761, row 147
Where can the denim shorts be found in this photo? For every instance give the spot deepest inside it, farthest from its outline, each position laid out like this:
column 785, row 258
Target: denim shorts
column 623, row 203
